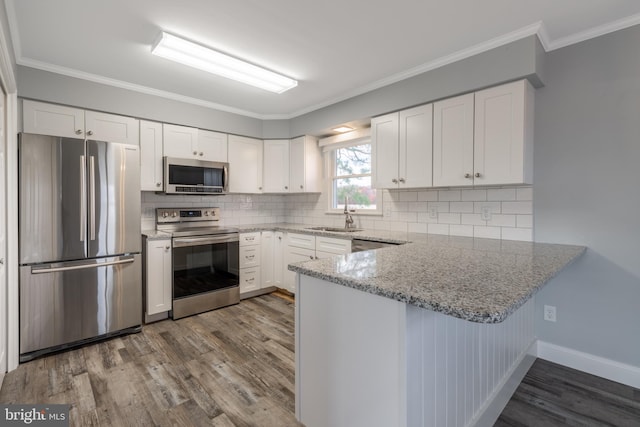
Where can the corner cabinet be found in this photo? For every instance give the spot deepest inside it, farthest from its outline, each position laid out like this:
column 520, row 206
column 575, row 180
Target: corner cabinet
column 157, row 275
column 305, row 165
column 401, row 146
column 150, row 156
column 245, row 164
column 485, row 138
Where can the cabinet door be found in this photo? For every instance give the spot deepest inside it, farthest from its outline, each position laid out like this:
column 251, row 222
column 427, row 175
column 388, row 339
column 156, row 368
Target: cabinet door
column 501, row 140
column 276, row 166
column 332, row 246
column 150, row 156
column 158, row 274
column 179, row 141
column 278, row 259
column 384, row 150
column 249, row 256
column 416, row 147
column 249, row 279
column 305, row 160
column 111, row 128
column 245, row 165
column 212, row 146
column 267, row 246
column 453, row 141
column 292, row 255
column 55, row 120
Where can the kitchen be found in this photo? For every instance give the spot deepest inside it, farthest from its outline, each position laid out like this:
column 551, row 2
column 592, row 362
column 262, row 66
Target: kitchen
column 583, row 191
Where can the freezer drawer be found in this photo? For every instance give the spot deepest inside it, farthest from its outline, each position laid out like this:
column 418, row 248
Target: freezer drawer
column 63, row 303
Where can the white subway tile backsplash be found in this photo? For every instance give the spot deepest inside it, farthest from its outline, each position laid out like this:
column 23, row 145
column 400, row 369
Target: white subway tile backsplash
column 440, row 206
column 502, row 220
column 524, row 234
column 461, row 230
column 494, row 207
column 428, row 196
column 438, row 228
column 524, row 221
column 501, row 194
column 472, row 219
column 523, row 208
column 525, row 193
column 417, row 227
column 478, row 195
column 486, row 232
column 449, row 195
column 409, row 196
column 417, row 207
column 448, row 218
column 461, row 207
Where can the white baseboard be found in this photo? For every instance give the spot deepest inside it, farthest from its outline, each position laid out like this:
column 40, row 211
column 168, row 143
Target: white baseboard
column 594, row 365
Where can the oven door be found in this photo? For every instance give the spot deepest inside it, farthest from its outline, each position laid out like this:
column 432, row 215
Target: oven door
column 205, row 273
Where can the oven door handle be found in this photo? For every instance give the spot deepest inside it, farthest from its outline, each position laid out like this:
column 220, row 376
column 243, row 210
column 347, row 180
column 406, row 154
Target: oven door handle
column 181, row 242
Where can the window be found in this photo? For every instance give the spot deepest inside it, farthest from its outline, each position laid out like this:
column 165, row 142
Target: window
column 350, row 176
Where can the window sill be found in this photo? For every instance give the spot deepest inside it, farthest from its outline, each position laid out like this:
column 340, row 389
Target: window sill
column 356, row 213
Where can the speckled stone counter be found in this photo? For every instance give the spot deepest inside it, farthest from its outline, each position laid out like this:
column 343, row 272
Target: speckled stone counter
column 155, row 235
column 479, row 280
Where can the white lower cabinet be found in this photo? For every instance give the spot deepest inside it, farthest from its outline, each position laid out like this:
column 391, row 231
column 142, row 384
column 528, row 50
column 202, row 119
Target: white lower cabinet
column 305, row 247
column 250, row 262
column 157, row 271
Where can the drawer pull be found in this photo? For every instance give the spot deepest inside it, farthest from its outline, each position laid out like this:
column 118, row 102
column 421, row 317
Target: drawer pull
column 251, row 279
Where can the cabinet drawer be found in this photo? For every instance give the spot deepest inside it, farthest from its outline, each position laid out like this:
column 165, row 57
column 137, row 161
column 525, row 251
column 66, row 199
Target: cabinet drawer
column 305, row 241
column 333, row 246
column 249, row 279
column 248, row 239
column 249, row 256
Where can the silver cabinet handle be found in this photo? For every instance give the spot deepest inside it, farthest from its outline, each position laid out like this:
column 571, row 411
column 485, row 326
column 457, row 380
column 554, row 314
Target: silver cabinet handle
column 167, row 247
column 200, row 153
column 195, row 153
column 259, row 188
column 286, row 188
column 467, row 175
column 158, row 184
column 83, row 199
column 92, row 197
column 39, row 270
column 311, row 256
column 402, row 180
column 78, row 131
column 89, row 132
column 395, row 181
column 478, row 175
column 301, row 187
column 1, row 261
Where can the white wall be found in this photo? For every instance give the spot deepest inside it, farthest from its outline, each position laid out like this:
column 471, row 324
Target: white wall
column 587, row 192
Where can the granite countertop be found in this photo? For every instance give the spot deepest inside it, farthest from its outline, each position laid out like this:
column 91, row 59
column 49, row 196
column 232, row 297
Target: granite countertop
column 155, row 234
column 479, row 280
column 373, row 235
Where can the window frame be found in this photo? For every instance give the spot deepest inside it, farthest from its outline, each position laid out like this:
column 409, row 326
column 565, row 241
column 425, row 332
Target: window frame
column 330, row 155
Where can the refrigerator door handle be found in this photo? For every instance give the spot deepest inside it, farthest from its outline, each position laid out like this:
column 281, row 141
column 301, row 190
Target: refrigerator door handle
column 40, row 270
column 92, row 197
column 83, row 200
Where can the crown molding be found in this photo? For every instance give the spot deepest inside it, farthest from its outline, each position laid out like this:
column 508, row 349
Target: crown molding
column 591, row 33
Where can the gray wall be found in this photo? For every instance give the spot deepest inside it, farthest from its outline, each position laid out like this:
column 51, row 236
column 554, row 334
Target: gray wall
column 587, row 191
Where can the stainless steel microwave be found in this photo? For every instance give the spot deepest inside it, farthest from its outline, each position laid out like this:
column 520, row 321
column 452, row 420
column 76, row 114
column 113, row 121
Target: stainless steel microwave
column 187, row 176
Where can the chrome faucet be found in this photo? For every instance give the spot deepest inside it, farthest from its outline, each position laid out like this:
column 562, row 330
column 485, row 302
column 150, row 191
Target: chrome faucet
column 348, row 219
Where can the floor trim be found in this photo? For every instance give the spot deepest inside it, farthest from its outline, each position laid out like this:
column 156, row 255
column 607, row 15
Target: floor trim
column 594, row 365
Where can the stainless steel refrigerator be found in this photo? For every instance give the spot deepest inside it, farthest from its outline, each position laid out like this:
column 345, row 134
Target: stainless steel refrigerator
column 80, row 265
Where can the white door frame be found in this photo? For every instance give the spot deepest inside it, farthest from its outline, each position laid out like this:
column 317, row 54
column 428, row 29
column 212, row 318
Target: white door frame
column 8, row 82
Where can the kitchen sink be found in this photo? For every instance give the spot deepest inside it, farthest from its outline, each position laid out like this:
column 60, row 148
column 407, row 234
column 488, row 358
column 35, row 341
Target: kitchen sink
column 335, row 229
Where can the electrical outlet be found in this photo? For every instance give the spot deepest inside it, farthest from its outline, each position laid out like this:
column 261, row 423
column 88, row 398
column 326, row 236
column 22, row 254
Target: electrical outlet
column 485, row 213
column 433, row 212
column 387, row 211
column 550, row 313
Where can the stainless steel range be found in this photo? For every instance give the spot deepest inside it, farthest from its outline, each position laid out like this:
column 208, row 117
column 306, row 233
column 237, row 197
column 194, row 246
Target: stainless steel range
column 205, row 260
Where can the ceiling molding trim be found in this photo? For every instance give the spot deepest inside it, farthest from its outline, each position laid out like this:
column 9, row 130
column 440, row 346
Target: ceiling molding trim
column 13, row 28
column 543, row 36
column 133, row 87
column 598, row 31
column 7, row 75
column 440, row 62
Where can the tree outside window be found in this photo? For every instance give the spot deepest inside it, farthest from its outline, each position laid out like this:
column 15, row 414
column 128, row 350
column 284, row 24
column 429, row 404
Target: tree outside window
column 351, row 178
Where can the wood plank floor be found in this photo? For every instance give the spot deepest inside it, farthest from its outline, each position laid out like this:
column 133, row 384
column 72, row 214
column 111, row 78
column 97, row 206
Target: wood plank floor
column 228, row 367
column 554, row 395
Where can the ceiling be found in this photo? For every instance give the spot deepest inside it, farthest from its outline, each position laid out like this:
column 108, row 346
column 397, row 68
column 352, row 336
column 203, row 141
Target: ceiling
column 335, row 48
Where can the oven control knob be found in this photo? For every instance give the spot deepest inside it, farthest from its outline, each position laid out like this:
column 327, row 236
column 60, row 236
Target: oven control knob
column 213, row 213
column 165, row 214
column 174, row 214
column 206, row 213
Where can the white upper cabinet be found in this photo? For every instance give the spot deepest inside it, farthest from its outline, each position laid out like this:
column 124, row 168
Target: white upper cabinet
column 50, row 119
column 192, row 143
column 212, row 146
column 112, row 128
column 57, row 120
column 305, row 165
column 276, row 166
column 402, row 145
column 150, row 156
column 503, row 146
column 245, row 164
column 453, row 141
column 484, row 138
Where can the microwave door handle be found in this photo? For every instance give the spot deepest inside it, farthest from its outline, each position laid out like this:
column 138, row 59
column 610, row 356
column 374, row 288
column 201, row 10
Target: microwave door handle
column 225, row 179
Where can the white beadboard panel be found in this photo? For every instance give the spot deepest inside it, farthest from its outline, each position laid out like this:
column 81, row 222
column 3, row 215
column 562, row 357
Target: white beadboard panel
column 523, row 208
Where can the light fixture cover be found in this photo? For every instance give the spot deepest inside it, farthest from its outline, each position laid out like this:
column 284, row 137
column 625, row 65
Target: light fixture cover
column 203, row 58
column 342, row 129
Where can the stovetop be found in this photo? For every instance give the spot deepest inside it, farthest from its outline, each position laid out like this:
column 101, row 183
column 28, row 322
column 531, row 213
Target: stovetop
column 199, row 231
column 182, row 222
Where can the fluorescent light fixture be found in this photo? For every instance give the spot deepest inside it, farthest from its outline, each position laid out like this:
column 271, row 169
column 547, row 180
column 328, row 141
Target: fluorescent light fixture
column 342, row 129
column 206, row 59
